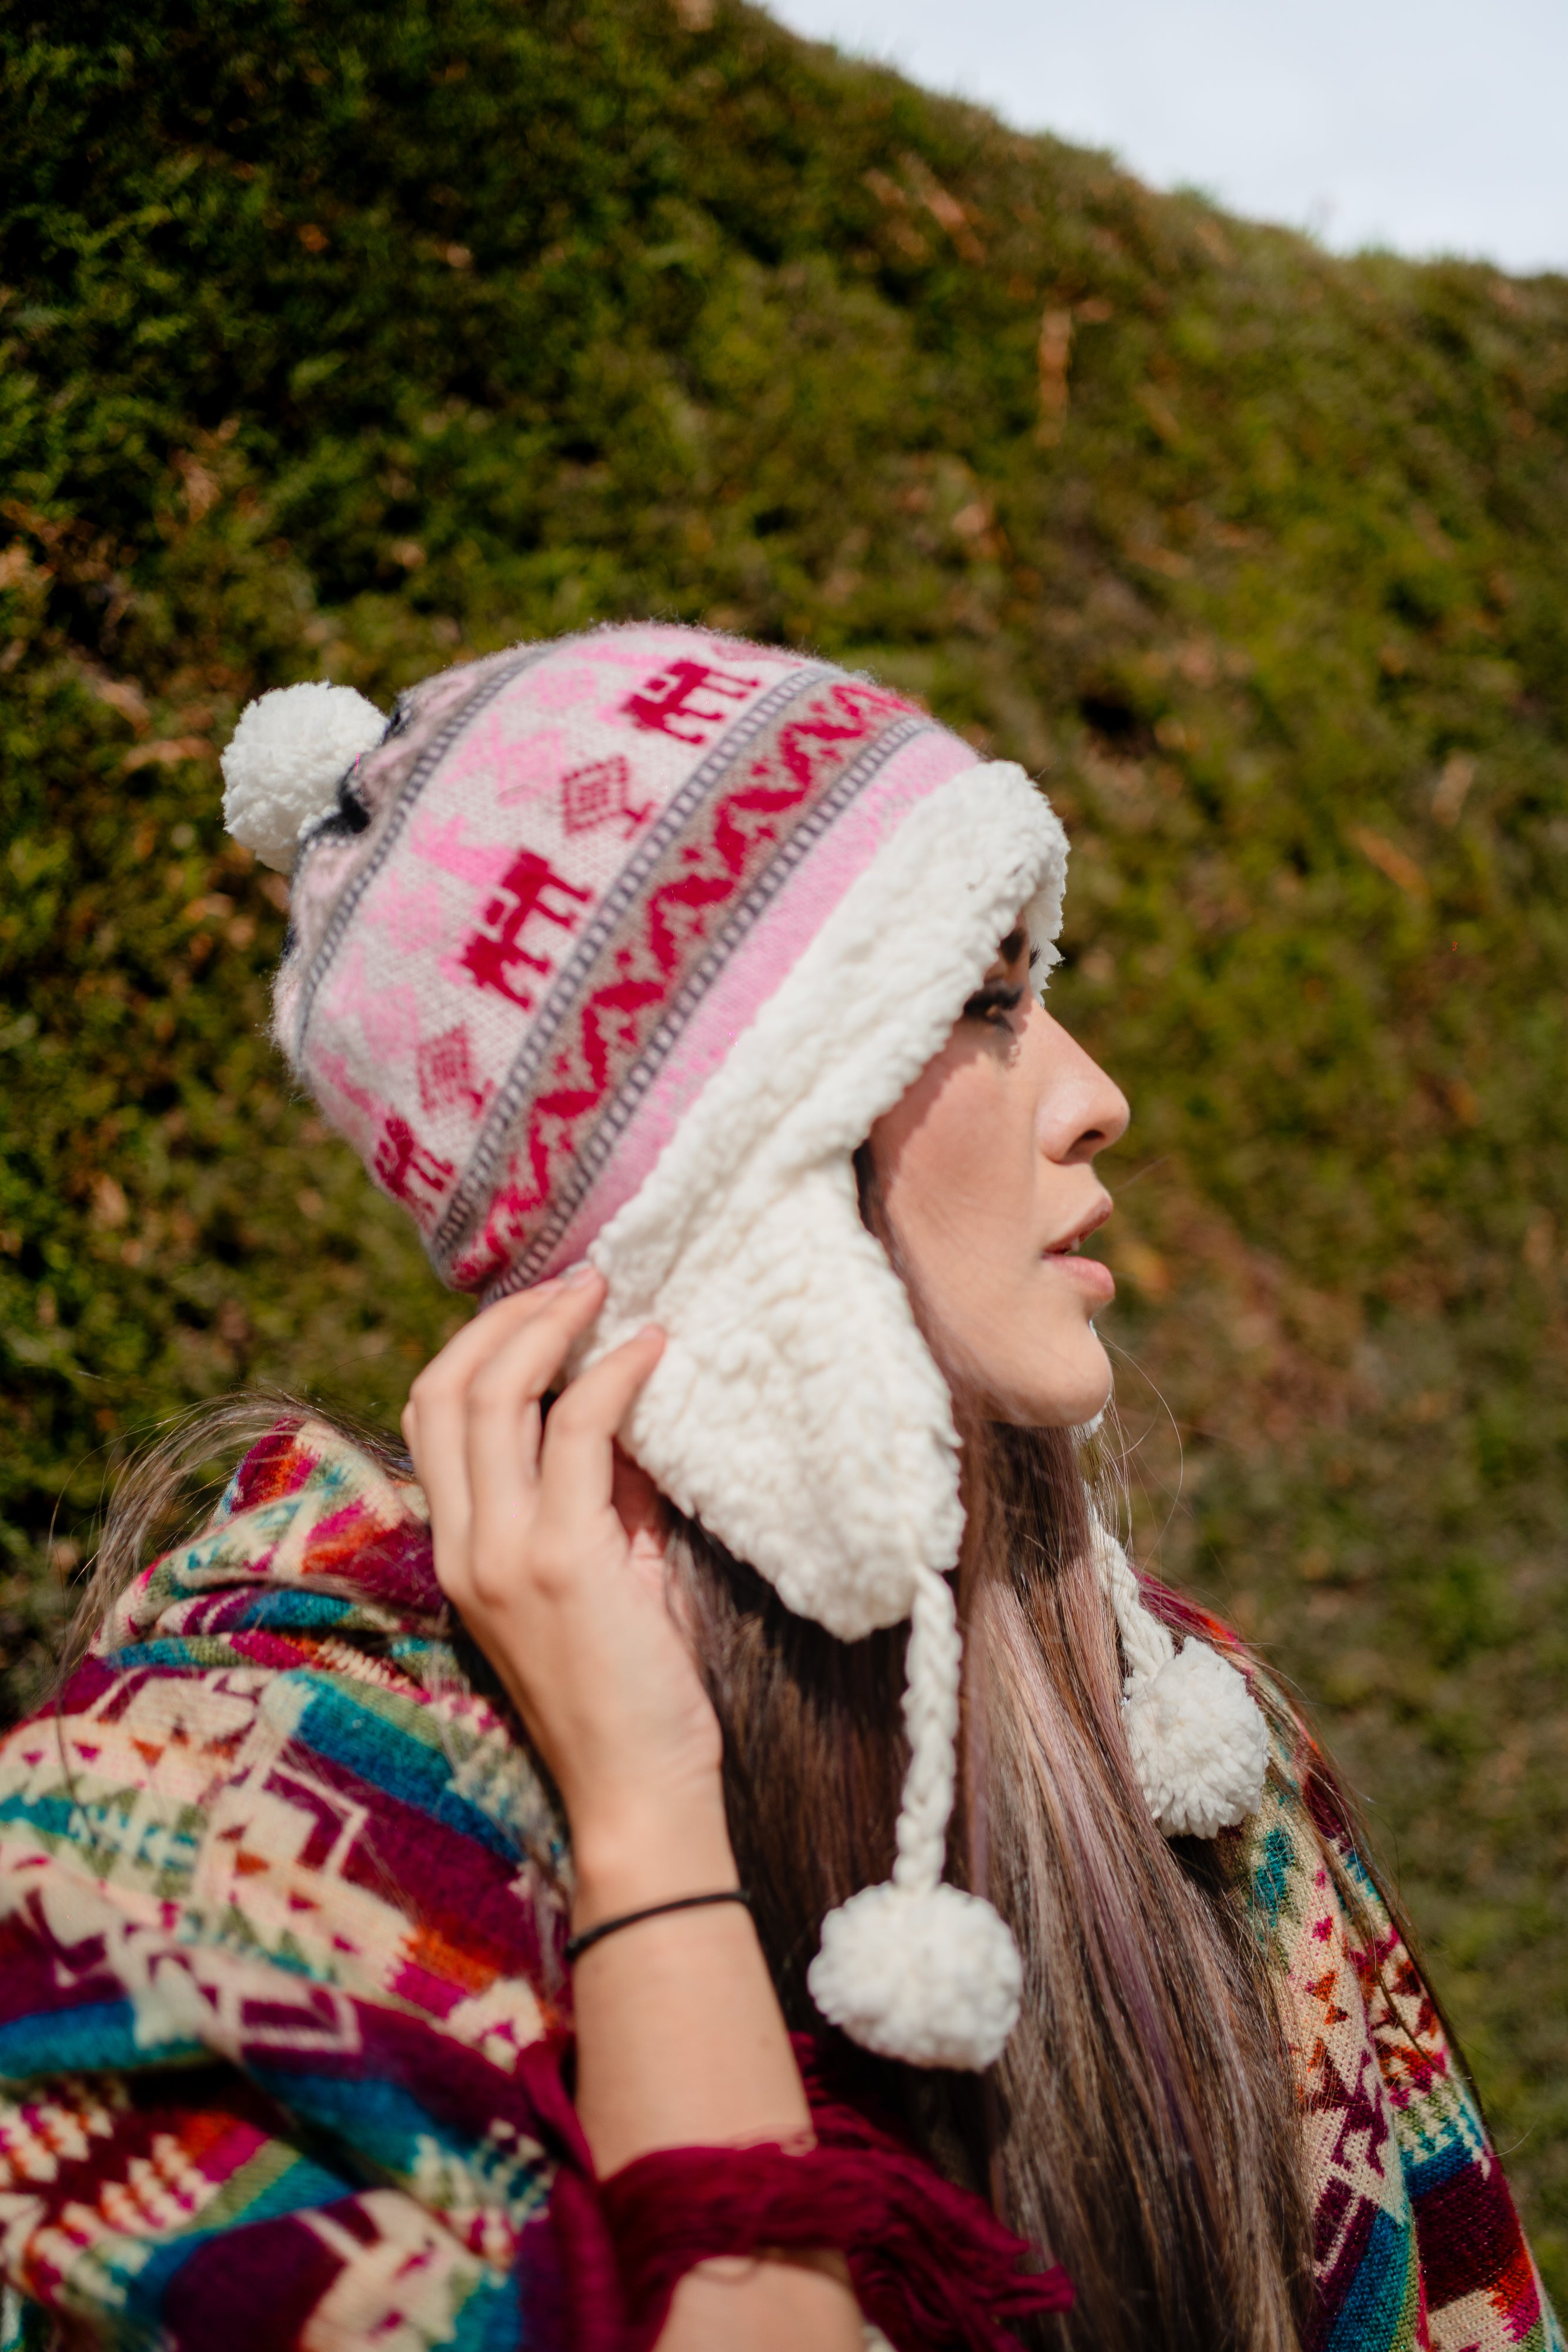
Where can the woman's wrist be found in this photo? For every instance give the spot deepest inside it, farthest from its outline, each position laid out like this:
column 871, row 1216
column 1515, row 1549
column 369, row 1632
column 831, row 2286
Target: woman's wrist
column 650, row 1848
column 680, row 2039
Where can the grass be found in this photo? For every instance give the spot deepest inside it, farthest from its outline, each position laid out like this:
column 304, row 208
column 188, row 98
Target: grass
column 342, row 342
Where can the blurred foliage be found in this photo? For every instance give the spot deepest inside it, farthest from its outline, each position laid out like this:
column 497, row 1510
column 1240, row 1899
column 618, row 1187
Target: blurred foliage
column 338, row 342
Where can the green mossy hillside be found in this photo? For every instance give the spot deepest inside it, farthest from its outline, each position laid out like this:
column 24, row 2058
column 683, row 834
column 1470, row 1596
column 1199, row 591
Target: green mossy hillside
column 342, row 341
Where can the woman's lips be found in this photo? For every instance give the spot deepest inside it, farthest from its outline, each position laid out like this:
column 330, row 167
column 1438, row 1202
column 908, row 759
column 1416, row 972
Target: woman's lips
column 1090, row 1277
column 1089, row 1273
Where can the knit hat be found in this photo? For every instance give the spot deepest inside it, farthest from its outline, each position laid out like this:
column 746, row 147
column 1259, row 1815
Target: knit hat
column 617, row 946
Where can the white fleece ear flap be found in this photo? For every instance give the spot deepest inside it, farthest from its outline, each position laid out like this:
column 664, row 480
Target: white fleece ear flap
column 1196, row 1734
column 797, row 1413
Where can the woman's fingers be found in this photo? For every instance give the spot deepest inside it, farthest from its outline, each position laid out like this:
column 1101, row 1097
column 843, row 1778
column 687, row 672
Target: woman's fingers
column 577, row 1463
column 437, row 1420
column 484, row 1332
column 434, row 1408
column 504, row 1394
column 561, row 1594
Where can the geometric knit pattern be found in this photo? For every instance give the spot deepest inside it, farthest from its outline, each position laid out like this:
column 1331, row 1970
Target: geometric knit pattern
column 1415, row 2239
column 284, row 2006
column 575, row 871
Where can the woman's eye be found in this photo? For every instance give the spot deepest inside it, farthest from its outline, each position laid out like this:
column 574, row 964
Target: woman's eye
column 993, row 1003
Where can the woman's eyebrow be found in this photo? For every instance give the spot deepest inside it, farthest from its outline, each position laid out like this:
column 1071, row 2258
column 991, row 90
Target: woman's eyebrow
column 1013, row 946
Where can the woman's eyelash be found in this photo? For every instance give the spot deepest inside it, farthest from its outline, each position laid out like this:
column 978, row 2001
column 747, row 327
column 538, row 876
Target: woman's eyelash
column 995, row 998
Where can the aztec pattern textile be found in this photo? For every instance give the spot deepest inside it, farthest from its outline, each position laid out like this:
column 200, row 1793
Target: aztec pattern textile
column 1415, row 2240
column 282, row 2012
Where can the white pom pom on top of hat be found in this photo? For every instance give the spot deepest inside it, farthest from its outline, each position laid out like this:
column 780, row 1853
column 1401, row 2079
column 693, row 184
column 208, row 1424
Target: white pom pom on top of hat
column 286, row 758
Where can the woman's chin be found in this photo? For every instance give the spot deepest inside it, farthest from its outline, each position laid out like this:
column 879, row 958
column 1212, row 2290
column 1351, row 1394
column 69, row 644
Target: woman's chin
column 1069, row 1390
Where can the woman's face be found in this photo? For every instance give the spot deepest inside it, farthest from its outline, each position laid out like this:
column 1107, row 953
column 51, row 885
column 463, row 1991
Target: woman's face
column 986, row 1170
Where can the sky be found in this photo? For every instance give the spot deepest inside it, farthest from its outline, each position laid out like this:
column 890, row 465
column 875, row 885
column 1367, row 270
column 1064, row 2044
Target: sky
column 1432, row 126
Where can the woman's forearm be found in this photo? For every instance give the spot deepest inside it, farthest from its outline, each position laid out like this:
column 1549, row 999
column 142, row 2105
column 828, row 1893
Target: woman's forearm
column 548, row 1545
column 681, row 2043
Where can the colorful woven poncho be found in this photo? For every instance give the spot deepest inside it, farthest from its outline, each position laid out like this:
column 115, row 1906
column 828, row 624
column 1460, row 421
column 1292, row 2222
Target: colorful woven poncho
column 282, row 2012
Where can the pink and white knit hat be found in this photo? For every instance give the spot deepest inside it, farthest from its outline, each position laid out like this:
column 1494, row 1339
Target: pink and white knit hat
column 616, row 947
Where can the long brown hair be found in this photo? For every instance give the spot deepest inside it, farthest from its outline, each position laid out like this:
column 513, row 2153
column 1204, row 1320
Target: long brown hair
column 1140, row 2125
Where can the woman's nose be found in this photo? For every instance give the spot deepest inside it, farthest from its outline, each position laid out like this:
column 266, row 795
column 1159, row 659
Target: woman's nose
column 1081, row 1110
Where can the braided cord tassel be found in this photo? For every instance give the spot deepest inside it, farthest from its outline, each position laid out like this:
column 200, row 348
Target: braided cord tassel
column 931, row 1721
column 914, row 1969
column 1146, row 1644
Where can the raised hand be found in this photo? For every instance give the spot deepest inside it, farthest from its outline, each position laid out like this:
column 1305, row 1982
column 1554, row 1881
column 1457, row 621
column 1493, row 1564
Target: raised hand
column 563, row 1590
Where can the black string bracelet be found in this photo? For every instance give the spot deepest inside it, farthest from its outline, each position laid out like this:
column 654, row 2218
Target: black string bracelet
column 580, row 1944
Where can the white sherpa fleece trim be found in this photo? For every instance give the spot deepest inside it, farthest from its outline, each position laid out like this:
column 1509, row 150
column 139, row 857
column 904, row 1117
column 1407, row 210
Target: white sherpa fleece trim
column 796, row 1410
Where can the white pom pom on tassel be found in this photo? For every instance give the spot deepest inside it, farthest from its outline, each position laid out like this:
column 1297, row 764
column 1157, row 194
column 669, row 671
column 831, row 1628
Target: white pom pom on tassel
column 930, row 1975
column 1198, row 1743
column 286, row 760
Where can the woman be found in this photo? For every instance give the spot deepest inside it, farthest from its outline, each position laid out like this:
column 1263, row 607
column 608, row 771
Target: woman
column 593, row 1897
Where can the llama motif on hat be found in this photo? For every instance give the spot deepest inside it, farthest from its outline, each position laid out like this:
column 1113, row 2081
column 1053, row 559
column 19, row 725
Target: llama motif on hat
column 618, row 946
